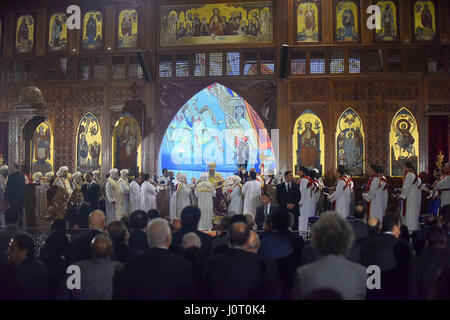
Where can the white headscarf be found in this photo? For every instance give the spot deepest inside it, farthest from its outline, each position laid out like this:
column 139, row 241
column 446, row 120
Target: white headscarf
column 124, row 173
column 76, row 175
column 204, row 177
column 182, row 177
column 61, row 171
column 113, row 173
column 37, row 176
column 4, row 168
column 49, row 175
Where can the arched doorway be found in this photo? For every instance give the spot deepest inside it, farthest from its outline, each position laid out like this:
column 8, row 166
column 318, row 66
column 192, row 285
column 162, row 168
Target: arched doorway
column 216, row 125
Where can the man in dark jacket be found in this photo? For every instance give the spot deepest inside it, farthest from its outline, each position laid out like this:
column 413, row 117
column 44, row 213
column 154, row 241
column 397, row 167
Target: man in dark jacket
column 138, row 223
column 91, row 191
column 263, row 211
column 14, row 190
column 288, row 196
column 78, row 212
column 238, row 274
column 157, row 274
column 82, row 243
column 118, row 233
column 190, row 216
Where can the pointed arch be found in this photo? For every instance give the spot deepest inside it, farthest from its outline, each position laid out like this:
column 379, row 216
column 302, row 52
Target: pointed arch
column 42, row 148
column 127, row 144
column 403, row 142
column 89, row 144
column 350, row 142
column 216, row 125
column 308, row 142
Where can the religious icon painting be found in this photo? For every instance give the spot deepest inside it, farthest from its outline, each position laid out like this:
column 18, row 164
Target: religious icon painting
column 126, row 142
column 350, row 142
column 347, row 20
column 127, row 28
column 308, row 20
column 216, row 23
column 403, row 141
column 424, row 18
column 389, row 21
column 42, row 149
column 89, row 144
column 92, row 30
column 25, row 34
column 308, row 142
column 57, row 32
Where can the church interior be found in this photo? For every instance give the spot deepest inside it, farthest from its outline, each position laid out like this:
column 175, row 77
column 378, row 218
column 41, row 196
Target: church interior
column 233, row 85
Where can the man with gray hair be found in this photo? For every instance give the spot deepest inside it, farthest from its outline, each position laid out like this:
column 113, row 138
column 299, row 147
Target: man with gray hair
column 253, row 243
column 98, row 274
column 191, row 240
column 332, row 238
column 157, row 274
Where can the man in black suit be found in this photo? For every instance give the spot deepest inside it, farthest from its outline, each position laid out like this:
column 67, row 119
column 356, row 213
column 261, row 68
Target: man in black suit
column 30, row 276
column 263, row 212
column 78, row 211
column 119, row 236
column 425, row 268
column 238, row 274
column 358, row 225
column 190, row 216
column 14, row 190
column 82, row 243
column 12, row 220
column 380, row 250
column 157, row 274
column 219, row 243
column 288, row 196
column 419, row 237
column 91, row 191
column 138, row 224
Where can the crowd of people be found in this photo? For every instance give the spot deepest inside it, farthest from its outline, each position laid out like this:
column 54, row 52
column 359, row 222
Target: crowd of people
column 127, row 250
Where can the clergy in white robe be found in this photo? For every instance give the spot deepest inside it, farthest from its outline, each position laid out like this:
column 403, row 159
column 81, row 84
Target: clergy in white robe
column 252, row 194
column 149, row 192
column 205, row 192
column 125, row 187
column 235, row 195
column 182, row 196
column 136, row 194
column 62, row 179
column 412, row 195
column 373, row 195
column 384, row 193
column 340, row 197
column 443, row 186
column 308, row 202
column 113, row 195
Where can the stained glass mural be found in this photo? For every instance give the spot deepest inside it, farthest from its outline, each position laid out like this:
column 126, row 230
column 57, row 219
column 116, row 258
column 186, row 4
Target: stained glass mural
column 308, row 26
column 92, row 30
column 42, row 149
column 424, row 20
column 57, row 32
column 127, row 28
column 89, row 144
column 25, row 34
column 389, row 27
column 347, row 23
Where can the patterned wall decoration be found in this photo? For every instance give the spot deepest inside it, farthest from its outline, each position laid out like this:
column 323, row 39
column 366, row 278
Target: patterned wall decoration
column 92, row 30
column 350, row 142
column 308, row 142
column 424, row 20
column 308, row 20
column 57, row 32
column 403, row 141
column 127, row 29
column 25, row 34
column 217, row 23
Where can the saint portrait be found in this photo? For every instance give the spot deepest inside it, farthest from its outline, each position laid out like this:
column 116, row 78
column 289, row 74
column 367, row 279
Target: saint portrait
column 404, row 141
column 308, row 24
column 127, row 144
column 89, row 140
column 92, row 30
column 25, row 34
column 350, row 142
column 308, row 142
column 42, row 149
column 347, row 21
column 388, row 30
column 127, row 28
column 216, row 23
column 57, row 32
column 424, row 21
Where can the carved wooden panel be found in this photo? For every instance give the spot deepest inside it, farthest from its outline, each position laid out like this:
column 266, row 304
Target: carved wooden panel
column 438, row 90
column 309, row 90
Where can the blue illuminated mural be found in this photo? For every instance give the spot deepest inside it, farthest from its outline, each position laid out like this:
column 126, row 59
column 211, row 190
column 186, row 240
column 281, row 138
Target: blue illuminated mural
column 216, row 125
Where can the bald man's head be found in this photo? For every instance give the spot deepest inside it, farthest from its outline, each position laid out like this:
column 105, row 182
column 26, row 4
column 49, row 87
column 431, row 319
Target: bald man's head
column 101, row 247
column 97, row 220
column 253, row 242
column 374, row 225
column 238, row 234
